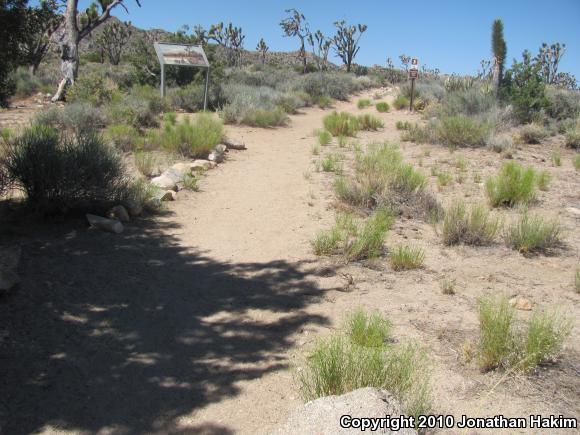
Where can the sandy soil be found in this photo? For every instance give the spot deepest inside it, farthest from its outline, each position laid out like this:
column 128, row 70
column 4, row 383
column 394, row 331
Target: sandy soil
column 194, row 321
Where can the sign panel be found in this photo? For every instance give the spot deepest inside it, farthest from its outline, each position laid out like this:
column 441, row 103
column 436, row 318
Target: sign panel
column 414, row 63
column 181, row 54
column 413, row 73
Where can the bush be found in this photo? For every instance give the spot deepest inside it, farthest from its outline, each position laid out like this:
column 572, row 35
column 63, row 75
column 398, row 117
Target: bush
column 77, row 118
column 324, row 137
column 369, row 122
column 363, row 357
column 92, row 88
column 194, row 138
column 416, row 133
column 572, row 139
column 543, row 180
column 503, row 344
column 382, row 107
column 370, row 237
column 460, row 131
column 513, row 185
column 563, row 103
column 334, row 85
column 532, row 234
column 265, row 118
column 403, row 125
column 341, row 124
column 124, row 137
column 331, row 163
column 145, row 162
column 407, row 258
column 533, row 133
column 401, row 102
column 58, row 174
column 500, row 143
column 473, row 227
column 363, row 103
column 470, row 102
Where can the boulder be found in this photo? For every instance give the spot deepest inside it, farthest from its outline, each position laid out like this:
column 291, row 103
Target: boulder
column 9, row 259
column 134, row 208
column 104, row 224
column 200, row 165
column 218, row 154
column 521, row 303
column 168, row 195
column 181, row 169
column 120, row 213
column 153, row 204
column 164, row 182
column 322, row 416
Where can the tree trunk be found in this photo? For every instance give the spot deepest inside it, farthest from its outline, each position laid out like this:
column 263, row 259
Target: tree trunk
column 69, row 54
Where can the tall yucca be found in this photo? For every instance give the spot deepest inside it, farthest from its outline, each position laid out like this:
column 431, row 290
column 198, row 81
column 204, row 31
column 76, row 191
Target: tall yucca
column 499, row 49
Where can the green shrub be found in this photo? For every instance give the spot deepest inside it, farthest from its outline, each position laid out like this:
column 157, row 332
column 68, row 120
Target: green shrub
column 382, row 107
column 341, row 124
column 503, row 343
column 563, row 103
column 362, row 357
column 403, row 125
column 531, row 234
column 192, row 138
column 556, row 159
column 513, row 185
column 416, row 133
column 460, row 131
column 496, row 343
column 265, row 118
column 407, row 258
column 370, row 236
column 170, row 117
column 369, row 122
column 190, row 183
column 323, row 101
column 533, row 133
column 327, row 242
column 469, row 102
column 444, row 178
column 363, row 103
column 124, row 137
column 401, row 102
column 331, row 163
column 145, row 162
column 61, row 173
column 572, row 136
column 471, row 227
column 92, row 88
column 324, row 137
column 576, row 162
column 77, row 118
column 543, row 180
column 367, row 330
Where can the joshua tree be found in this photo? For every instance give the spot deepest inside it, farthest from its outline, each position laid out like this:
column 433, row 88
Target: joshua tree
column 40, row 23
column 262, row 48
column 549, row 58
column 296, row 25
column 346, row 41
column 231, row 38
column 405, row 61
column 320, row 48
column 75, row 30
column 113, row 39
column 499, row 49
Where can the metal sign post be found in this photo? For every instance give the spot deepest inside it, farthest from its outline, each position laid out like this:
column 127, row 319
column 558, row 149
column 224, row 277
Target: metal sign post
column 182, row 55
column 413, row 74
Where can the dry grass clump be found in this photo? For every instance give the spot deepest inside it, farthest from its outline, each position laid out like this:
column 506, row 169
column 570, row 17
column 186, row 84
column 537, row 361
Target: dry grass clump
column 362, row 356
column 475, row 226
column 145, row 162
column 533, row 234
column 533, row 133
column 363, row 103
column 368, row 122
column 509, row 345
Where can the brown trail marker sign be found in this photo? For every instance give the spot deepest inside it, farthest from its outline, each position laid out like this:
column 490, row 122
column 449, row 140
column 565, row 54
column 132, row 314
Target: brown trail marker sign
column 182, row 55
column 413, row 74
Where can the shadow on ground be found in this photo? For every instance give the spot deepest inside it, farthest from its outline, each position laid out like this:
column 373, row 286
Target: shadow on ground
column 113, row 332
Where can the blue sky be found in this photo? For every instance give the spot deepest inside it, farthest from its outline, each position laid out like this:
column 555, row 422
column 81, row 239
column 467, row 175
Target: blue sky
column 451, row 35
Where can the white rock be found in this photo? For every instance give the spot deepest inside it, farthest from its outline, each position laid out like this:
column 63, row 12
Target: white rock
column 104, row 224
column 119, row 212
column 164, row 182
column 322, row 416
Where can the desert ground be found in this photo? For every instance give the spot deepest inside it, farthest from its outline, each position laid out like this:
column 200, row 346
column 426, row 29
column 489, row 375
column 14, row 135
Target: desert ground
column 197, row 320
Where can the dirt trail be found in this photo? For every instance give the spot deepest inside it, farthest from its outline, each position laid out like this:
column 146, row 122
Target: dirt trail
column 194, row 321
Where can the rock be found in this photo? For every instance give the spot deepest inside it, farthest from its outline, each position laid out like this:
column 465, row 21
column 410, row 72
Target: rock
column 218, row 154
column 104, row 224
column 575, row 211
column 153, row 204
column 164, row 182
column 9, row 259
column 234, row 144
column 181, row 169
column 521, row 303
column 322, row 416
column 200, row 165
column 134, row 208
column 168, row 195
column 119, row 212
